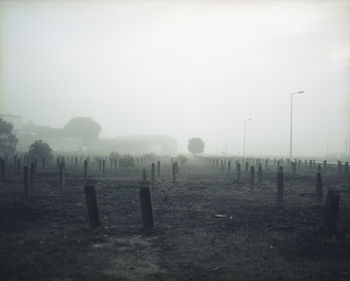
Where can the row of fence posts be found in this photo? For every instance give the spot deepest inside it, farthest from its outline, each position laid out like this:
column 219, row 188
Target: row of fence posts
column 332, row 202
column 222, row 163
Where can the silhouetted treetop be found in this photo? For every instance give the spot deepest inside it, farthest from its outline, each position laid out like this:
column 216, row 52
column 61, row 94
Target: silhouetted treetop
column 8, row 140
column 196, row 145
column 82, row 127
column 40, row 150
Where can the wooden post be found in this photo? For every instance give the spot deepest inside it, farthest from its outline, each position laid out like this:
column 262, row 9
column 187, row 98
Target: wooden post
column 153, row 172
column 259, row 174
column 294, row 167
column 2, row 162
column 26, row 193
column 85, row 168
column 238, row 168
column 280, row 187
column 229, row 167
column 251, row 178
column 32, row 173
column 104, row 167
column 319, row 188
column 332, row 210
column 144, row 175
column 146, row 205
column 174, row 173
column 158, row 169
column 324, row 165
column 76, row 161
column 91, row 204
column 339, row 167
column 346, row 168
column 61, row 175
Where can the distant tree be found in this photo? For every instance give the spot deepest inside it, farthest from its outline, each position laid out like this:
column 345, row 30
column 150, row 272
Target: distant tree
column 82, row 127
column 196, row 145
column 39, row 150
column 8, row 140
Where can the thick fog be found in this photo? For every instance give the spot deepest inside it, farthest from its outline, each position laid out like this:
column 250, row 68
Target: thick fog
column 184, row 69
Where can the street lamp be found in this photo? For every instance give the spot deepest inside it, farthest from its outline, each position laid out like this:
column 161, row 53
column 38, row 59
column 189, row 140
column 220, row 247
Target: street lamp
column 245, row 121
column 291, row 121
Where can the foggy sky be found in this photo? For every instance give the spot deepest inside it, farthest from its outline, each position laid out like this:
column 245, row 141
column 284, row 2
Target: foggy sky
column 184, row 69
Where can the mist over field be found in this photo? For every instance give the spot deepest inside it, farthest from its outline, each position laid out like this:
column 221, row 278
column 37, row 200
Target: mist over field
column 184, row 69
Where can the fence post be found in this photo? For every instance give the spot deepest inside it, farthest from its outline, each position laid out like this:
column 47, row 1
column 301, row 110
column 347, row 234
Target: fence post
column 146, row 205
column 91, row 204
column 174, row 173
column 153, row 172
column 251, row 178
column 319, row 188
column 61, row 175
column 280, row 187
column 32, row 173
column 26, row 193
column 332, row 209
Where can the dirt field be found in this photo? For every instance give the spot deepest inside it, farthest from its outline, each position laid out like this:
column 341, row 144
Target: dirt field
column 208, row 227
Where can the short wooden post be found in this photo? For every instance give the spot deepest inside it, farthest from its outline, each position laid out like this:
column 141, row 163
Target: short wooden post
column 2, row 162
column 153, row 172
column 251, row 178
column 324, row 165
column 85, row 168
column 32, row 173
column 246, row 168
column 319, row 188
column 259, row 174
column 238, row 171
column 174, row 173
column 332, row 210
column 346, row 168
column 229, row 167
column 339, row 167
column 91, row 204
column 61, row 175
column 146, row 205
column 99, row 165
column 26, row 192
column 294, row 168
column 104, row 167
column 280, row 187
column 76, row 161
column 158, row 169
column 144, row 175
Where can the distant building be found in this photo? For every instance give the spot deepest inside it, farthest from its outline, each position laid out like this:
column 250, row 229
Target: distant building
column 16, row 120
column 158, row 144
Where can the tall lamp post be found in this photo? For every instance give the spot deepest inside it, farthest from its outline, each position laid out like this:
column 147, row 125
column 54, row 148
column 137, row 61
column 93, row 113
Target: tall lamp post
column 291, row 122
column 245, row 121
